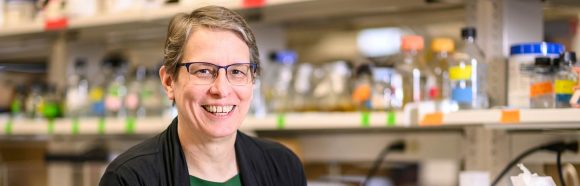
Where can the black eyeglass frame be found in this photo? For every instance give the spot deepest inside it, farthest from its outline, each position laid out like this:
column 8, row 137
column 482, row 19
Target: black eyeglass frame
column 253, row 68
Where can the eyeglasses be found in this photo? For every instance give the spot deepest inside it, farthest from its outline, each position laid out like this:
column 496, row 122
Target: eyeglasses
column 202, row 73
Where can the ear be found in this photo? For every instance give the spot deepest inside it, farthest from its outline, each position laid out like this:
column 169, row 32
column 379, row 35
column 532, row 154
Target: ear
column 167, row 82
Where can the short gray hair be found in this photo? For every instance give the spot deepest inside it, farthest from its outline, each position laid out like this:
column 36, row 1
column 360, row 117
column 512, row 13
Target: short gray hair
column 214, row 17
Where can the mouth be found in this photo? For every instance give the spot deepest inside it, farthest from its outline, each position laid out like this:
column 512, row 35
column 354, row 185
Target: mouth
column 221, row 110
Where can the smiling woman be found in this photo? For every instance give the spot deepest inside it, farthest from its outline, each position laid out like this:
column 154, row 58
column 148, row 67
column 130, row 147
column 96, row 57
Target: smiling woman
column 203, row 146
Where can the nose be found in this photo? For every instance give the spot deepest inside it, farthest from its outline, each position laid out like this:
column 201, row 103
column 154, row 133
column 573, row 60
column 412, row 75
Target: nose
column 221, row 86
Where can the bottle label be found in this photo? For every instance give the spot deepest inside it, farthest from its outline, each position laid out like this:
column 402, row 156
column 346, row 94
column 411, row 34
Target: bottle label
column 541, row 88
column 96, row 94
column 563, row 98
column 564, row 86
column 462, row 95
column 460, row 72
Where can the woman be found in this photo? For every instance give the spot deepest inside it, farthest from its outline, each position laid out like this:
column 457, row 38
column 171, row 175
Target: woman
column 203, row 146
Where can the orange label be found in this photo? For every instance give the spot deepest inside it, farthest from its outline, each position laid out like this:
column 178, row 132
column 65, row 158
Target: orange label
column 541, row 88
column 361, row 93
column 432, row 119
column 510, row 116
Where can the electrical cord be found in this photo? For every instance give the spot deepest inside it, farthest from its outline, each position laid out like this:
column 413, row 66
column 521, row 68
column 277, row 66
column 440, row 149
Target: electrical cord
column 395, row 146
column 552, row 147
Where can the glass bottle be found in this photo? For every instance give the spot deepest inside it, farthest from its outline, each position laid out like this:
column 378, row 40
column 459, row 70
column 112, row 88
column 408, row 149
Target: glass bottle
column 467, row 73
column 362, row 87
column 116, row 88
column 332, row 93
column 442, row 49
column 542, row 87
column 77, row 91
column 17, row 105
column 565, row 79
column 34, row 101
column 153, row 101
column 132, row 101
column 302, row 87
column 97, row 92
column 384, row 95
column 413, row 70
column 278, row 81
column 50, row 108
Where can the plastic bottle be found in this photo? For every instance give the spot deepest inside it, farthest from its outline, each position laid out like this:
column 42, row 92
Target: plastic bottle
column 412, row 70
column 542, row 87
column 442, row 48
column 77, row 91
column 467, row 73
column 565, row 79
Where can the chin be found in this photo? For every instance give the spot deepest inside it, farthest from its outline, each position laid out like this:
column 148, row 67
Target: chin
column 221, row 132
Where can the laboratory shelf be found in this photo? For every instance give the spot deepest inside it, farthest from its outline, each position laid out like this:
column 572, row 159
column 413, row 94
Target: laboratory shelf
column 137, row 16
column 534, row 119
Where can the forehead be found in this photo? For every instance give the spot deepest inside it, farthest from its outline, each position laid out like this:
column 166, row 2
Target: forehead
column 209, row 45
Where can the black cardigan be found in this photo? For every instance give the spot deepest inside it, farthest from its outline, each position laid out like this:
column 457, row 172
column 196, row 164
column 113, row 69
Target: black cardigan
column 160, row 161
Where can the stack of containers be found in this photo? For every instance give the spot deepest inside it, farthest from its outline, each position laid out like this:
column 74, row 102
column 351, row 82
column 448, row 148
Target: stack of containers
column 520, row 68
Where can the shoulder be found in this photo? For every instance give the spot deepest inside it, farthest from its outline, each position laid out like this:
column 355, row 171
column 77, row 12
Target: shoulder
column 272, row 150
column 261, row 144
column 134, row 164
column 272, row 156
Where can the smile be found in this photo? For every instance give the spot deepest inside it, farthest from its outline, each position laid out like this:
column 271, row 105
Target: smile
column 219, row 110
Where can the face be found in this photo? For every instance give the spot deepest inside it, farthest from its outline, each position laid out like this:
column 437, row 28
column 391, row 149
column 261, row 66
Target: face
column 215, row 110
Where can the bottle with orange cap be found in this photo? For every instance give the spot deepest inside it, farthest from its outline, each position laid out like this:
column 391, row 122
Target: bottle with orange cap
column 412, row 69
column 442, row 49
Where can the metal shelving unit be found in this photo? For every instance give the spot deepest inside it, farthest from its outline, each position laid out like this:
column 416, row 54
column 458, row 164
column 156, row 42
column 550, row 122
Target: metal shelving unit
column 476, row 140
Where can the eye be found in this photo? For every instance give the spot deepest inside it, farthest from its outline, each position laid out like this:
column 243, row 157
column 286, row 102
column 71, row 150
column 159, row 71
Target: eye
column 237, row 72
column 202, row 71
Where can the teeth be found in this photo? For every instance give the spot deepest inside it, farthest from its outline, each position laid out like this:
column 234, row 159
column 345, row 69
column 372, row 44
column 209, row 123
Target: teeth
column 218, row 109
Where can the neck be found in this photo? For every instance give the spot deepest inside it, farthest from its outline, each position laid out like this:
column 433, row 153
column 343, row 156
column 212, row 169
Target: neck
column 207, row 158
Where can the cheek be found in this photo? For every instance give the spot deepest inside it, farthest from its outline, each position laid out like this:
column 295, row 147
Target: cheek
column 245, row 94
column 189, row 93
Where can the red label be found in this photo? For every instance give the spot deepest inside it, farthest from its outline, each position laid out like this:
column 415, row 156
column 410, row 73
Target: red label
column 56, row 24
column 253, row 3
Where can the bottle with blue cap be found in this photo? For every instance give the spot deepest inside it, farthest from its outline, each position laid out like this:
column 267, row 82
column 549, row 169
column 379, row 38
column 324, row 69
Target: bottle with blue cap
column 278, row 81
column 521, row 67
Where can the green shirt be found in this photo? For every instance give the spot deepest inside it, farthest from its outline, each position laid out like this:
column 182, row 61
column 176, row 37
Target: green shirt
column 195, row 181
